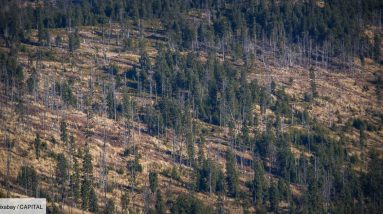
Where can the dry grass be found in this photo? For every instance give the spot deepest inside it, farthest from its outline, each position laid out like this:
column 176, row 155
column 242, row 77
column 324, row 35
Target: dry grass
column 340, row 95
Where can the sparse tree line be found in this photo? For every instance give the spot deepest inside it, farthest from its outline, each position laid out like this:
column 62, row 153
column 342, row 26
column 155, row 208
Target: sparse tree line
column 306, row 33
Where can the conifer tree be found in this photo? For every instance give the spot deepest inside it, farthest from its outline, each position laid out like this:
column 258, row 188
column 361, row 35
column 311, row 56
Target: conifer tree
column 153, row 181
column 93, row 201
column 160, row 206
column 231, row 174
column 76, row 180
column 61, row 173
column 37, row 144
column 63, row 132
column 109, row 207
column 28, row 179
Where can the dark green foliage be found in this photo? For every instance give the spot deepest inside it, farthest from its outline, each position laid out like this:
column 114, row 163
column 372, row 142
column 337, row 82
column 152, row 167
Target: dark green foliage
column 145, row 63
column 87, row 166
column 88, row 196
column 154, row 121
column 62, row 173
column 285, row 162
column 63, row 132
column 136, row 166
column 53, row 140
column 28, row 179
column 258, row 185
column 93, row 201
column 190, row 149
column 160, row 206
column 373, row 183
column 126, row 152
column 189, row 204
column 43, row 35
column 379, row 87
column 76, row 180
column 153, row 181
column 359, row 124
column 377, row 53
column 111, row 104
column 313, row 199
column 37, row 145
column 265, row 145
column 274, row 197
column 12, row 73
column 210, row 178
column 174, row 174
column 73, row 41
column 231, row 174
column 109, row 207
column 65, row 91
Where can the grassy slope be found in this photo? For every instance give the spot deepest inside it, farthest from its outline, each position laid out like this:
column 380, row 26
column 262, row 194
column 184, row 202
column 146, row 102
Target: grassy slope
column 338, row 92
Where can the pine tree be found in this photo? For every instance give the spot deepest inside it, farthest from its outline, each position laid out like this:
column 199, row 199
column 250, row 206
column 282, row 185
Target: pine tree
column 73, row 41
column 63, row 132
column 37, row 144
column 76, row 182
column 160, row 206
column 153, row 181
column 61, row 173
column 86, row 184
column 93, row 201
column 190, row 149
column 274, row 197
column 28, row 179
column 231, row 174
column 72, row 143
column 109, row 207
column 258, row 184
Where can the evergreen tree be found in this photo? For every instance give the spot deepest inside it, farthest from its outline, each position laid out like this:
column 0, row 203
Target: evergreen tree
column 109, row 207
column 72, row 143
column 153, row 181
column 73, row 41
column 377, row 53
column 63, row 132
column 76, row 180
column 313, row 196
column 231, row 174
column 274, row 197
column 93, row 201
column 160, row 206
column 373, row 183
column 86, row 184
column 258, row 184
column 28, row 179
column 37, row 144
column 61, row 173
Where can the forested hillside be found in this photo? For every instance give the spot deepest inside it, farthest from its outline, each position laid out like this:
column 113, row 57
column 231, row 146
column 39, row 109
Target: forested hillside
column 192, row 106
